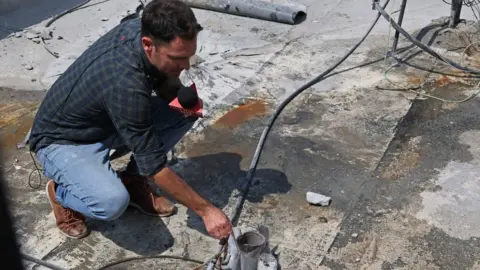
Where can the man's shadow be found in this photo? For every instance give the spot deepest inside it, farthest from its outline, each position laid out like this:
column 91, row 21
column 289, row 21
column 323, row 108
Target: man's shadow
column 214, row 177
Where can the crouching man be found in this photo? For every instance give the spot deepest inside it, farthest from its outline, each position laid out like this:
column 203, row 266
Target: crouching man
column 104, row 101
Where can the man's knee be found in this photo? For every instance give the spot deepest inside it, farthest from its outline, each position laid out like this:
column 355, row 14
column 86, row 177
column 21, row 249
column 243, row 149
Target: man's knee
column 112, row 204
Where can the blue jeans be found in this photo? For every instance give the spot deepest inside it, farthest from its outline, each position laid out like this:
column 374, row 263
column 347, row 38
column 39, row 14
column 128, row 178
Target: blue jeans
column 85, row 180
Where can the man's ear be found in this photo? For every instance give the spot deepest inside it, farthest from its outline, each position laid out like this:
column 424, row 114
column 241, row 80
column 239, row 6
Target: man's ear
column 148, row 45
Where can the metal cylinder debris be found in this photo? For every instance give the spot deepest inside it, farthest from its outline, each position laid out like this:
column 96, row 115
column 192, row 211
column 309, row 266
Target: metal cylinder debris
column 287, row 13
column 251, row 245
column 250, row 251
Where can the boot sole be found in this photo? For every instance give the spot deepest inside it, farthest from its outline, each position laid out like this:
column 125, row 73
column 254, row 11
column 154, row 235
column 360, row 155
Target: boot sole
column 51, row 205
column 136, row 206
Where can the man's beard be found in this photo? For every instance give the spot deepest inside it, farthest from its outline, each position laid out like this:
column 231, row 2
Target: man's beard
column 168, row 87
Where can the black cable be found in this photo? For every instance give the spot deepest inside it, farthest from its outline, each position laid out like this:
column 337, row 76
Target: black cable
column 41, row 262
column 419, row 44
column 150, row 257
column 261, row 143
column 277, row 112
column 432, row 70
column 58, row 16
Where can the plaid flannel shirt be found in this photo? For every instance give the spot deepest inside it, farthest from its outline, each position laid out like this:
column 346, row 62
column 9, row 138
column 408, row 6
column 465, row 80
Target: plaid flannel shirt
column 106, row 91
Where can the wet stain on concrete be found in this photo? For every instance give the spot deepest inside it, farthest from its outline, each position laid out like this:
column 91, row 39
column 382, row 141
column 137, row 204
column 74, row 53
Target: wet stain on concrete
column 448, row 252
column 438, row 128
column 241, row 114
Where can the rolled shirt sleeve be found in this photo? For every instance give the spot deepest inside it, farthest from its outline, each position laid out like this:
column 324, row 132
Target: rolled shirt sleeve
column 129, row 107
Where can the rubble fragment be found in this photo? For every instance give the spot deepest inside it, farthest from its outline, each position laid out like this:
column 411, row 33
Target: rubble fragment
column 318, row 199
column 31, row 35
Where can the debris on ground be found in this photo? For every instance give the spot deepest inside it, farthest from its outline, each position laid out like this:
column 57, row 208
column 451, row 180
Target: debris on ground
column 318, row 199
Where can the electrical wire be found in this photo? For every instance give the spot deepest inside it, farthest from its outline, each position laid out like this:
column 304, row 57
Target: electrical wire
column 41, row 262
column 173, row 257
column 422, row 46
column 152, row 257
column 56, row 17
column 251, row 171
column 432, row 70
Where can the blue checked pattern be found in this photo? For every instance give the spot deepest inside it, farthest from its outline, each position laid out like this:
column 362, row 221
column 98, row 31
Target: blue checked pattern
column 106, row 91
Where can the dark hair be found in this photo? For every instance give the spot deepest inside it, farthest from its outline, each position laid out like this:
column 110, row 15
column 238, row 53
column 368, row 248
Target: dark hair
column 164, row 20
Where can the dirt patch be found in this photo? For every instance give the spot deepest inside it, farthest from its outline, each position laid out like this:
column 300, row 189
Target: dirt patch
column 241, row 114
column 15, row 133
column 407, row 159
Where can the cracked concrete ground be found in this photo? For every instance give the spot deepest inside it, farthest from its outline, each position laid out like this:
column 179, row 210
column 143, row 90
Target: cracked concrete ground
column 401, row 169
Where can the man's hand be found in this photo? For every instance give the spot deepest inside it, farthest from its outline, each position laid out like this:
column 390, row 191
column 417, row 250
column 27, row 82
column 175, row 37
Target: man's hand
column 217, row 223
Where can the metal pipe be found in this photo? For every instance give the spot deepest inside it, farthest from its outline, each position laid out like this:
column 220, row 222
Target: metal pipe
column 456, row 8
column 400, row 20
column 287, row 13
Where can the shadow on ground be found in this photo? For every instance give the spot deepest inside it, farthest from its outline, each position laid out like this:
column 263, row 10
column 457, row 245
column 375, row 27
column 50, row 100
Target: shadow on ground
column 137, row 232
column 217, row 176
column 214, row 177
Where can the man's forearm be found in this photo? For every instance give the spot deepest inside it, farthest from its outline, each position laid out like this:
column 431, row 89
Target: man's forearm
column 173, row 184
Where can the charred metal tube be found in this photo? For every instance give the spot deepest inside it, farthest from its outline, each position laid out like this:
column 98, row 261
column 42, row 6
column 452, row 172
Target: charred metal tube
column 456, row 8
column 288, row 14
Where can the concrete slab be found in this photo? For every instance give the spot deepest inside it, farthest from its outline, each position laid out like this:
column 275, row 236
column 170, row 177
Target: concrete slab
column 392, row 169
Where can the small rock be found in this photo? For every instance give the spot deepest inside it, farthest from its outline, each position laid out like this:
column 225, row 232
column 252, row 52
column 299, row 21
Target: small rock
column 403, row 213
column 30, row 35
column 318, row 199
column 46, row 34
column 322, row 220
column 16, row 160
column 18, row 35
column 59, row 37
column 357, row 259
column 28, row 67
column 354, row 235
column 36, row 40
column 18, row 167
column 34, row 80
column 104, row 19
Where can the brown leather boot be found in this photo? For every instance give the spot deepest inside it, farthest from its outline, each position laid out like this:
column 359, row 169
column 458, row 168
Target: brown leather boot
column 70, row 223
column 144, row 198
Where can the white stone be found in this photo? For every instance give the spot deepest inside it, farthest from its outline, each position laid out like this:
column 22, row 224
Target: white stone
column 318, row 199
